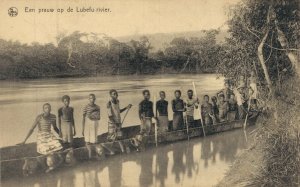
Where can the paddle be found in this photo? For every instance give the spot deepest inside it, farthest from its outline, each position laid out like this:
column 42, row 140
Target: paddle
column 245, row 123
column 122, row 125
column 155, row 123
column 126, row 114
column 195, row 91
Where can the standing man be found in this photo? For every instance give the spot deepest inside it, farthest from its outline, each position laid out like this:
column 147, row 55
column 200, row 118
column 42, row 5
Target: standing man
column 66, row 121
column 240, row 99
column 226, row 91
column 90, row 123
column 253, row 92
column 233, row 107
column 146, row 113
column 191, row 103
column 223, row 108
column 178, row 109
column 162, row 112
column 207, row 111
column 114, row 116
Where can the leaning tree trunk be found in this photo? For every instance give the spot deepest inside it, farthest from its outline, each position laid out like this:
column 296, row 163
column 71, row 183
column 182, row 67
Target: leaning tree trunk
column 267, row 76
column 185, row 65
column 262, row 61
column 260, row 51
column 284, row 44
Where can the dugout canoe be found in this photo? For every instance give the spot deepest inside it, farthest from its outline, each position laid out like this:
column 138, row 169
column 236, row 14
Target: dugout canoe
column 24, row 160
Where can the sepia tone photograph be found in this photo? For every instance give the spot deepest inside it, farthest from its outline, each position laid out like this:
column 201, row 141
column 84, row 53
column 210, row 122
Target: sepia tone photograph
column 149, row 93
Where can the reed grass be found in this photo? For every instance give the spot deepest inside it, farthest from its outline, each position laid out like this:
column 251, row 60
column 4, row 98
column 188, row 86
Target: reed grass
column 280, row 136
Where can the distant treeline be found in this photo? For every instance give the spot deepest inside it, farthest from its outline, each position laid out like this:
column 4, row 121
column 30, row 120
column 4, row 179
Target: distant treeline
column 82, row 54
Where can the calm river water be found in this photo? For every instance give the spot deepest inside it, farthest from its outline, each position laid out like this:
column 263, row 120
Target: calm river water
column 200, row 162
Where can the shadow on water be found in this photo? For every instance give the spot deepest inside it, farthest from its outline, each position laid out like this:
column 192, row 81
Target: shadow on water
column 200, row 162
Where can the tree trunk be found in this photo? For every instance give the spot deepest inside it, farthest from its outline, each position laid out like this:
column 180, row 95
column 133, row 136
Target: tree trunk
column 185, row 65
column 70, row 52
column 197, row 66
column 262, row 61
column 284, row 44
column 267, row 76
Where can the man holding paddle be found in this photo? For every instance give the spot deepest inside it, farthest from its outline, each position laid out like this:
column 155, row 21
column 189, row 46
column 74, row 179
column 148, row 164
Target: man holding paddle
column 114, row 116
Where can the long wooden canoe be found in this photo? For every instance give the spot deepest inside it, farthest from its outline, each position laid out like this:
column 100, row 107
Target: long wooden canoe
column 24, row 160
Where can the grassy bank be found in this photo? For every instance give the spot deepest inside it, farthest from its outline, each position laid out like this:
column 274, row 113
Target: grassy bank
column 274, row 156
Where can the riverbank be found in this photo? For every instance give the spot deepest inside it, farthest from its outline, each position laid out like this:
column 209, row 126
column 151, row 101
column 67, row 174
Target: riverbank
column 81, row 75
column 274, row 157
column 246, row 166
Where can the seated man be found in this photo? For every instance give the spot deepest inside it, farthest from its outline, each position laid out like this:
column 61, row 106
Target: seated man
column 207, row 111
column 223, row 108
column 47, row 143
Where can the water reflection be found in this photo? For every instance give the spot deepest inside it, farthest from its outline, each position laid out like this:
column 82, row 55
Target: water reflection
column 161, row 169
column 206, row 152
column 178, row 167
column 67, row 178
column 191, row 164
column 199, row 162
column 115, row 176
column 146, row 174
column 90, row 178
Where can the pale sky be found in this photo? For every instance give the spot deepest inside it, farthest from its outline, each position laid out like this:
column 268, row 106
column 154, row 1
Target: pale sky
column 127, row 17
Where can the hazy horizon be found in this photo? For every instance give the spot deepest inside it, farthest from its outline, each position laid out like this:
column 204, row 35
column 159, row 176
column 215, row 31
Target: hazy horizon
column 128, row 18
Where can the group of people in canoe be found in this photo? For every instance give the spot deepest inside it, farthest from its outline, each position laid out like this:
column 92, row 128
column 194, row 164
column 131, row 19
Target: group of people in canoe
column 231, row 103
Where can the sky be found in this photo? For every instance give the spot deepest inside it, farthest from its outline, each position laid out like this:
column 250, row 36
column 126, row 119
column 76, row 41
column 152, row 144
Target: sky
column 125, row 17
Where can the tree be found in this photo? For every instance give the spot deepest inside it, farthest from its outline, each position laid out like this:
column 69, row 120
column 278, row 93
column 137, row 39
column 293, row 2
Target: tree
column 264, row 38
column 258, row 28
column 197, row 54
column 141, row 51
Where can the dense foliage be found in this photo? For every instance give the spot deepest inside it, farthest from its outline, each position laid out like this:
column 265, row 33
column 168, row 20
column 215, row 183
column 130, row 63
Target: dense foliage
column 265, row 39
column 82, row 54
column 251, row 20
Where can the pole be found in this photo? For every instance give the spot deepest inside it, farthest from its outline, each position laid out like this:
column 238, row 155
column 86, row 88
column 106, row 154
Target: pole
column 125, row 116
column 245, row 123
column 123, row 121
column 155, row 123
column 199, row 110
column 187, row 126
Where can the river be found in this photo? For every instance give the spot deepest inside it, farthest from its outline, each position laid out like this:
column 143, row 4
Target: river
column 22, row 101
column 199, row 162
